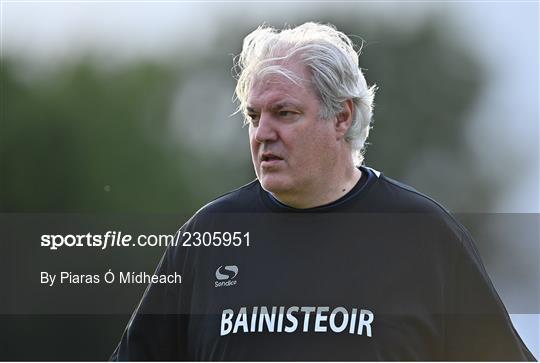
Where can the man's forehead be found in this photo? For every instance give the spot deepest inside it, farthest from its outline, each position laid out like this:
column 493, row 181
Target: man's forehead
column 277, row 81
column 275, row 95
column 277, row 91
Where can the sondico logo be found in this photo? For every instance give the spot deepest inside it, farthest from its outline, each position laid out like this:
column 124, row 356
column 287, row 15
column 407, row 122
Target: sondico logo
column 226, row 275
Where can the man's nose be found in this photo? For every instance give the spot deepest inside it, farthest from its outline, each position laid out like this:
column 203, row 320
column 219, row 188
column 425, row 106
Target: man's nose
column 266, row 131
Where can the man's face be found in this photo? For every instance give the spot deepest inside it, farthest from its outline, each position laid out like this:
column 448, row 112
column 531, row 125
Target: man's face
column 291, row 147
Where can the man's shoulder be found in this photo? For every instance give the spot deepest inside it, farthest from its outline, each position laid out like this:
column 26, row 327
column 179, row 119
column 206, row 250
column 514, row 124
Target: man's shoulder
column 395, row 197
column 391, row 195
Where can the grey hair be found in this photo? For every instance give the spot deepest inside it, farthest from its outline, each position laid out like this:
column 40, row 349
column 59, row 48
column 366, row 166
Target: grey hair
column 330, row 57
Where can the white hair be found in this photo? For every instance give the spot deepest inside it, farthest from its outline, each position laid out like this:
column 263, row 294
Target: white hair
column 330, row 57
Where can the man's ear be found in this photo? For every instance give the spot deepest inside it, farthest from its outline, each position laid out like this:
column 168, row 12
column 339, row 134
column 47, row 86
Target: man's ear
column 344, row 119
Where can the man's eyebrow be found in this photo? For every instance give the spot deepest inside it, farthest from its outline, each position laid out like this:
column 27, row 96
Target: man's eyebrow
column 276, row 106
column 284, row 104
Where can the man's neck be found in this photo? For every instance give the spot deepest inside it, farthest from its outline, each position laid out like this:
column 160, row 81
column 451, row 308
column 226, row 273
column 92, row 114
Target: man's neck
column 325, row 194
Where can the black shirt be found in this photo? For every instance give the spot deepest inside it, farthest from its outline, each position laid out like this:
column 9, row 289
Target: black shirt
column 383, row 273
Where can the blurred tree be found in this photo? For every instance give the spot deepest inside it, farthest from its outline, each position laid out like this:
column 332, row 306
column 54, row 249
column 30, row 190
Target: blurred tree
column 87, row 139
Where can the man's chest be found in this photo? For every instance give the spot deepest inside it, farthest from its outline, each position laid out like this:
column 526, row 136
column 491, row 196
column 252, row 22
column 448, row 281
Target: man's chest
column 325, row 297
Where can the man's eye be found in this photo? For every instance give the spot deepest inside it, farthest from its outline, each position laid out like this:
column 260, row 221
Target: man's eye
column 253, row 118
column 285, row 113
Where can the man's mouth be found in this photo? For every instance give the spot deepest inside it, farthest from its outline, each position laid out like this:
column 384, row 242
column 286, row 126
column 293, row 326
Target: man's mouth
column 269, row 159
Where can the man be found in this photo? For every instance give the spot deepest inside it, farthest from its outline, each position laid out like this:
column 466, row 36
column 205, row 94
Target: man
column 318, row 259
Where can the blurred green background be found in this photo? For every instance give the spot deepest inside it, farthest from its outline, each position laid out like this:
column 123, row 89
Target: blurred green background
column 156, row 136
column 112, row 125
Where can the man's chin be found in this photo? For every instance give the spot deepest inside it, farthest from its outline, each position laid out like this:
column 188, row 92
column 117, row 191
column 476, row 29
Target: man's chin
column 274, row 184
